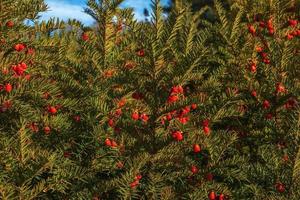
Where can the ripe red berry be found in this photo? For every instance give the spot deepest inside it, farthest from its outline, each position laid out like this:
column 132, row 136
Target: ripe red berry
column 266, row 104
column 111, row 122
column 134, row 184
column 52, row 110
column 194, row 169
column 206, row 130
column 209, row 176
column 205, row 122
column 138, row 177
column 84, row 37
column 173, row 98
column 107, row 142
column 251, row 29
column 212, row 195
column 141, row 53
column 289, row 36
column 114, row 143
column 280, row 187
column 9, row 24
column 253, row 93
column 8, row 87
column 194, row 106
column 76, row 118
column 177, row 135
column 293, row 23
column 259, row 49
column 135, row 116
column 221, row 197
column 253, row 68
column 47, row 130
column 19, row 47
column 280, row 88
column 196, row 148
column 144, row 117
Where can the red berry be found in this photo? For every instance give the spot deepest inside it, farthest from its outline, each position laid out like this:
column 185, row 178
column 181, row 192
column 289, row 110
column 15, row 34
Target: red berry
column 52, row 110
column 280, row 187
column 253, row 93
column 107, row 142
column 76, row 118
column 293, row 23
column 141, row 53
column 269, row 116
column 135, row 116
column 209, row 176
column 47, row 130
column 177, row 135
column 266, row 104
column 114, row 143
column 280, row 88
column 8, row 87
column 251, row 29
column 253, row 68
column 221, row 197
column 84, row 37
column 194, row 106
column 134, row 184
column 259, row 49
column 194, row 169
column 196, row 148
column 212, row 195
column 19, row 47
column 206, row 130
column 290, row 36
column 9, row 24
column 173, row 98
column 144, row 117
column 138, row 177
column 111, row 122
column 205, row 122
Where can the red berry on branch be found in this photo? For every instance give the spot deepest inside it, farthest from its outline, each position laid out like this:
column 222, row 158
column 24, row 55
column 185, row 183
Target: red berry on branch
column 221, row 197
column 47, row 130
column 85, row 37
column 19, row 47
column 8, row 87
column 144, row 117
column 196, row 148
column 205, row 122
column 280, row 88
column 254, row 93
column 194, row 169
column 111, row 122
column 209, row 176
column 173, row 98
column 9, row 24
column 76, row 118
column 212, row 195
column 140, row 53
column 52, row 110
column 280, row 187
column 251, row 29
column 289, row 36
column 107, row 142
column 259, row 49
column 206, row 130
column 135, row 116
column 266, row 104
column 293, row 23
column 194, row 106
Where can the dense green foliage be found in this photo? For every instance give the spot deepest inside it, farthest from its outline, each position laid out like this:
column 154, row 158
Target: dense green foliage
column 178, row 107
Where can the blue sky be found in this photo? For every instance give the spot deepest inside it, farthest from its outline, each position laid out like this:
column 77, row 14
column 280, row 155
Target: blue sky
column 65, row 9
